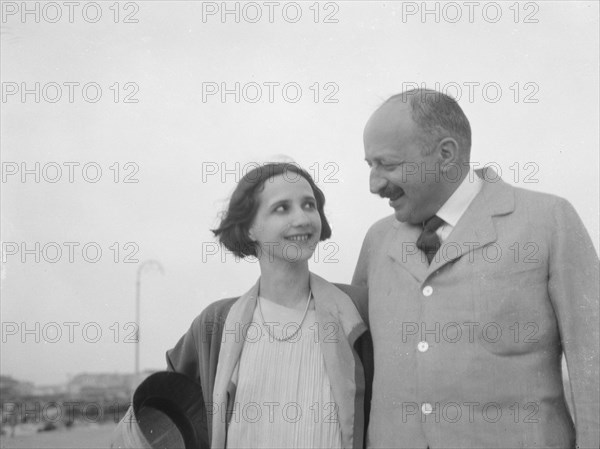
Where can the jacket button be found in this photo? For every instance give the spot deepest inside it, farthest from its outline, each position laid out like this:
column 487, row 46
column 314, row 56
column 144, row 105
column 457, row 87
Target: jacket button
column 423, row 346
column 426, row 408
column 427, row 290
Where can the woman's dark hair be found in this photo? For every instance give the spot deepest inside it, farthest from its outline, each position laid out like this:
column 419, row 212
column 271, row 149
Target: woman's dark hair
column 233, row 229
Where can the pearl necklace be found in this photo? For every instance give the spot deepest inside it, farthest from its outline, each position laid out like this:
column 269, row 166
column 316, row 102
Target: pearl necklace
column 289, row 337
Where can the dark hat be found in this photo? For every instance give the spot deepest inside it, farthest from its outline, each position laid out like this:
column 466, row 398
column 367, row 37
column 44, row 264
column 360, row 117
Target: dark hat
column 167, row 412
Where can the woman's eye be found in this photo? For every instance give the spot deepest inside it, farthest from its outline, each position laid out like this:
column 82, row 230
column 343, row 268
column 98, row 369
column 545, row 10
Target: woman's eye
column 280, row 209
column 310, row 205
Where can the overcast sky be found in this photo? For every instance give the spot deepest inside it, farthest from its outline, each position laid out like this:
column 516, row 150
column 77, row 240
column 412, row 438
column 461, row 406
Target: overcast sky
column 141, row 99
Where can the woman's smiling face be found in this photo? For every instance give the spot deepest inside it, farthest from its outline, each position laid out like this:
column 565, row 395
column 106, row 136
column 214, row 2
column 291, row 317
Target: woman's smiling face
column 287, row 225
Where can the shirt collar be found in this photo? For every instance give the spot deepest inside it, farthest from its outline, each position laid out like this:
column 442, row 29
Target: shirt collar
column 459, row 201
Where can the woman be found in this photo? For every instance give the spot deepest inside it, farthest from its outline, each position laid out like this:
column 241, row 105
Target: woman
column 283, row 365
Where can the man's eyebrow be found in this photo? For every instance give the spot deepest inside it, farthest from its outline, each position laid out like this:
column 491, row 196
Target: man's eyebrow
column 391, row 159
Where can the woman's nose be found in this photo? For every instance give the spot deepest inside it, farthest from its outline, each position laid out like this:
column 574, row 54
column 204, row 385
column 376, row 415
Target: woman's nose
column 300, row 217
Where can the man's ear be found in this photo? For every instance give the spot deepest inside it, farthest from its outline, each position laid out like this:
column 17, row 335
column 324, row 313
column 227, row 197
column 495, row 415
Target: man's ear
column 449, row 152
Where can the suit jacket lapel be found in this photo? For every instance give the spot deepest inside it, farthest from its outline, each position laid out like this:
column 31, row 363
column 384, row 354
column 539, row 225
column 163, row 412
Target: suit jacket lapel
column 475, row 228
column 403, row 249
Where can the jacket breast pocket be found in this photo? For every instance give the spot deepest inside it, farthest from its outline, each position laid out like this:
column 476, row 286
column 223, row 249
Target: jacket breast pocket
column 513, row 311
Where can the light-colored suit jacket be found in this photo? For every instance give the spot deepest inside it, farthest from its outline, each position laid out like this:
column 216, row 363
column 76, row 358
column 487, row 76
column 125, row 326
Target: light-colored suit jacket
column 468, row 349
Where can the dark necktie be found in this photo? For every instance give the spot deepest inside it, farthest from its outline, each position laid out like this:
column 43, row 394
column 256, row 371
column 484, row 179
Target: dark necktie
column 429, row 241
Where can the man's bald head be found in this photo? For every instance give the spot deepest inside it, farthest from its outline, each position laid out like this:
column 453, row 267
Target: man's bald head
column 436, row 115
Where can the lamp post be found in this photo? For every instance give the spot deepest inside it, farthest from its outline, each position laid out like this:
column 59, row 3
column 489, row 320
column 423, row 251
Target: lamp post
column 147, row 264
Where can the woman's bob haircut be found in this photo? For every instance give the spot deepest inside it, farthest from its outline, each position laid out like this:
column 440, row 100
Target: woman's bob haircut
column 235, row 224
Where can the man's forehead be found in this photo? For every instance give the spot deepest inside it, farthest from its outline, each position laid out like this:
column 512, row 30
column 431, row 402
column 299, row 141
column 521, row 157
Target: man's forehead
column 391, row 114
column 392, row 120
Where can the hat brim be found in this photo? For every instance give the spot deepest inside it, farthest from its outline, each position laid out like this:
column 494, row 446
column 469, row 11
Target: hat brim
column 168, row 408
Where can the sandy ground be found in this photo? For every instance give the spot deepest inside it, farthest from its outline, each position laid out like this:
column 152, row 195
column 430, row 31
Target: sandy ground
column 95, row 436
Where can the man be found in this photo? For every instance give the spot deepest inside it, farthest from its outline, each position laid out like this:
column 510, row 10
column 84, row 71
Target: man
column 476, row 289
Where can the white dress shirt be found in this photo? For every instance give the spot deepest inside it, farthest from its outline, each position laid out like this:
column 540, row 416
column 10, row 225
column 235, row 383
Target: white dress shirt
column 457, row 204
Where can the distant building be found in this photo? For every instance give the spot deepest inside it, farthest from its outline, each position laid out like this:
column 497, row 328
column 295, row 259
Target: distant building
column 105, row 385
column 11, row 388
column 48, row 390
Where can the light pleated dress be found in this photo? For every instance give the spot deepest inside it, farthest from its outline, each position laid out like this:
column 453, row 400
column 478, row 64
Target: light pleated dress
column 283, row 397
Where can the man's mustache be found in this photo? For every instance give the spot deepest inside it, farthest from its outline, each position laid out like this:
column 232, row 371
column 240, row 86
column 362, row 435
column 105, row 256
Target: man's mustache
column 390, row 191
